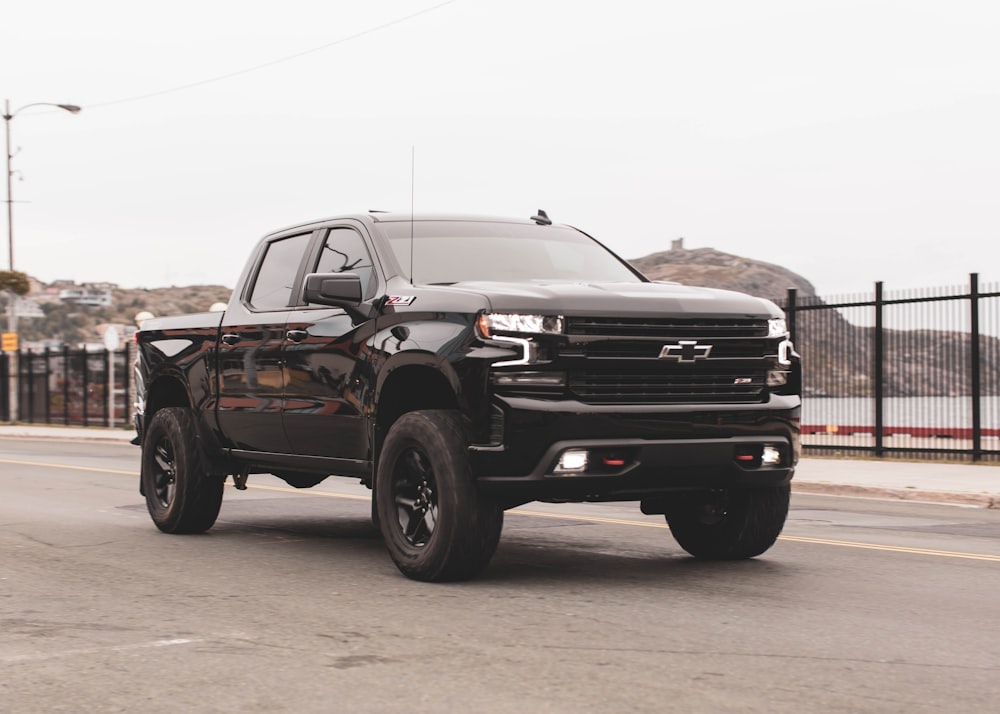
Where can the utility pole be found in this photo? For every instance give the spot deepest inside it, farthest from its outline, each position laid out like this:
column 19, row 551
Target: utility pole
column 8, row 116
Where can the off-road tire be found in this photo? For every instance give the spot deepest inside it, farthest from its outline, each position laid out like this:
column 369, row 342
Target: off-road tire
column 732, row 524
column 437, row 524
column 181, row 496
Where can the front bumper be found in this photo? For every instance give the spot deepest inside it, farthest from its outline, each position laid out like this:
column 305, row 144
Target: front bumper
column 641, row 451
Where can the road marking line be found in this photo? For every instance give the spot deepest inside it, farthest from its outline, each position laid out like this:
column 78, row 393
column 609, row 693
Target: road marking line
column 303, row 492
column 68, row 466
column 893, row 548
column 14, row 659
column 590, row 519
column 569, row 517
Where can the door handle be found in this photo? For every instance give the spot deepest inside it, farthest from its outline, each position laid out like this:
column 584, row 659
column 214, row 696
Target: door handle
column 296, row 335
column 230, row 339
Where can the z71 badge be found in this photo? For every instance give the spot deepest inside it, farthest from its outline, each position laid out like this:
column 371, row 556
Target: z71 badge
column 400, row 300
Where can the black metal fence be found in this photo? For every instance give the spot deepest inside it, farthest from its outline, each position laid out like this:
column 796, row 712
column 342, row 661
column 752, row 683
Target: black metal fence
column 907, row 374
column 70, row 386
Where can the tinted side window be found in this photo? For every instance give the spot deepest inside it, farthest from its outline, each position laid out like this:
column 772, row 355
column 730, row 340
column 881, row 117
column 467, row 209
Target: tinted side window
column 272, row 290
column 344, row 251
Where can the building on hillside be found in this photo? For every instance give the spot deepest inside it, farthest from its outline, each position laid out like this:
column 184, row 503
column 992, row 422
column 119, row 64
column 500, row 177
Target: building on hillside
column 87, row 295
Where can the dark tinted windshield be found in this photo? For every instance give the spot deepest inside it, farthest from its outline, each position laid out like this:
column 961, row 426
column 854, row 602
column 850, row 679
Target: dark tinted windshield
column 458, row 251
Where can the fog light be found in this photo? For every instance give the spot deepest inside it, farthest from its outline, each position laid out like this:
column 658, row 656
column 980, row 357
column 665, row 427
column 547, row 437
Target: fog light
column 770, row 456
column 572, row 460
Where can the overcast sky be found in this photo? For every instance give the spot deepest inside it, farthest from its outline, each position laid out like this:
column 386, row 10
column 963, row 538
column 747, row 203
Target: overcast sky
column 847, row 141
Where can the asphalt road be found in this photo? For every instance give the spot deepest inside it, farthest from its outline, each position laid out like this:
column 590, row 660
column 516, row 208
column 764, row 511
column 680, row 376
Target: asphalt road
column 291, row 604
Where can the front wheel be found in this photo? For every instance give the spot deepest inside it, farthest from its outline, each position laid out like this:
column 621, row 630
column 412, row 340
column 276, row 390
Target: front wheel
column 436, row 523
column 732, row 524
column 181, row 496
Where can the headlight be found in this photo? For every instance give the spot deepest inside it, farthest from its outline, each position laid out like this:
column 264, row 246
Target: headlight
column 777, row 327
column 492, row 323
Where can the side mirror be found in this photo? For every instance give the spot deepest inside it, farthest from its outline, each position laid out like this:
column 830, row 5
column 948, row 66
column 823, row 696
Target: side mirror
column 335, row 289
column 339, row 290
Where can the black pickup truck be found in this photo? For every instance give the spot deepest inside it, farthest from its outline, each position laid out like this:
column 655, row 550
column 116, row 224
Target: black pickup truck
column 461, row 366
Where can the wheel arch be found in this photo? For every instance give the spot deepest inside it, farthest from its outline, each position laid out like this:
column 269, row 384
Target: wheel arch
column 167, row 390
column 170, row 390
column 411, row 386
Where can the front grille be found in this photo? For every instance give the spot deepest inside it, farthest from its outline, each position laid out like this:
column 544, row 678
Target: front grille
column 672, row 328
column 624, row 361
column 674, row 387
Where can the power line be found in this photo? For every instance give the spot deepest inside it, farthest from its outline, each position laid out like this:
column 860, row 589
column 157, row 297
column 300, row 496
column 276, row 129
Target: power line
column 271, row 63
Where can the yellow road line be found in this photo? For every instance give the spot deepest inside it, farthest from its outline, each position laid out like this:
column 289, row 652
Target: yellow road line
column 589, row 519
column 306, row 492
column 797, row 539
column 69, row 466
column 568, row 517
column 893, row 548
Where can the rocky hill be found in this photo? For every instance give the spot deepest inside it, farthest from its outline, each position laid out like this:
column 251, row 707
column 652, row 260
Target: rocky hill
column 712, row 268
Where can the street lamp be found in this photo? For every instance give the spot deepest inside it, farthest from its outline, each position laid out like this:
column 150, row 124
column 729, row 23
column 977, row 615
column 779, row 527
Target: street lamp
column 8, row 116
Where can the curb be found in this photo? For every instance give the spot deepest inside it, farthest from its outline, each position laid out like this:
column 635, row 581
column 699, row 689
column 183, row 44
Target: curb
column 980, row 500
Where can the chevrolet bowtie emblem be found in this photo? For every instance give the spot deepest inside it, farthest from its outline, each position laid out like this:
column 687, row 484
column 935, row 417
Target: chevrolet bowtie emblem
column 685, row 351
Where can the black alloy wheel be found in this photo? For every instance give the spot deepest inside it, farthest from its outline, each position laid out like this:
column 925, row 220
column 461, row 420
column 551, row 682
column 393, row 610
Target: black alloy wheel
column 182, row 495
column 415, row 494
column 436, row 522
column 728, row 524
column 163, row 473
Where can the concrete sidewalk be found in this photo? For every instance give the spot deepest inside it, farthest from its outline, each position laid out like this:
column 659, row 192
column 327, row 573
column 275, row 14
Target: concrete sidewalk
column 70, row 433
column 930, row 481
column 938, row 482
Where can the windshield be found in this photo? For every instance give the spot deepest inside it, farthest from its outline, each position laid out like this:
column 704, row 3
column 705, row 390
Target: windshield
column 459, row 251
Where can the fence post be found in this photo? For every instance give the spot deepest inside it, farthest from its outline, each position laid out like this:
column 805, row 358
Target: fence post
column 86, row 384
column 4, row 391
column 65, row 380
column 29, row 377
column 977, row 417
column 109, row 378
column 13, row 387
column 127, row 379
column 790, row 313
column 879, row 372
column 48, row 389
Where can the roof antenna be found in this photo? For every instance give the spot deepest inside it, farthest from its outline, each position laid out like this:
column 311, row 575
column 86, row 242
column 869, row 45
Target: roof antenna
column 413, row 163
column 542, row 218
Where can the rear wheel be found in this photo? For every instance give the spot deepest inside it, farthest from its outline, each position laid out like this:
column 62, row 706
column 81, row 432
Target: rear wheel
column 181, row 496
column 437, row 524
column 729, row 524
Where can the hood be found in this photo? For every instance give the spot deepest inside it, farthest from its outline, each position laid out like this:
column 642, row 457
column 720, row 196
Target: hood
column 619, row 299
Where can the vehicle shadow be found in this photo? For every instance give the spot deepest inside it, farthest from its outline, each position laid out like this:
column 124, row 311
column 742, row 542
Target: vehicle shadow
column 539, row 553
column 579, row 559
